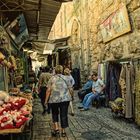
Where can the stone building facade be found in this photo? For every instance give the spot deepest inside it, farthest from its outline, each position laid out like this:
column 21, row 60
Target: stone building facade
column 100, row 30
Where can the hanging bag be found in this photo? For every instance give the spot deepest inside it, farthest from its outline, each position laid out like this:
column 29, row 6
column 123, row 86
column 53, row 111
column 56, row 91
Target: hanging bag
column 70, row 89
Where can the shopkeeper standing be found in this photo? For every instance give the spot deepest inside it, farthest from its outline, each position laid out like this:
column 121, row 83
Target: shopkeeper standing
column 42, row 85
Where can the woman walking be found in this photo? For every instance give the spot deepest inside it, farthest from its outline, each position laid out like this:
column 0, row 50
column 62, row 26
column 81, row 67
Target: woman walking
column 58, row 96
column 70, row 80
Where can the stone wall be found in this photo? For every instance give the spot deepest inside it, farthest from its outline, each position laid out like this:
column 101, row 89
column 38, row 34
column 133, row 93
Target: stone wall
column 63, row 22
column 90, row 14
column 82, row 22
column 124, row 46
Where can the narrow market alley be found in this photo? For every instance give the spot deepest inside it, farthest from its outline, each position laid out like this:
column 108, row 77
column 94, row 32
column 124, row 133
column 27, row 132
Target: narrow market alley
column 95, row 124
column 57, row 55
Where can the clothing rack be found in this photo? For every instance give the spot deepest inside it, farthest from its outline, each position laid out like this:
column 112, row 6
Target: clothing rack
column 124, row 60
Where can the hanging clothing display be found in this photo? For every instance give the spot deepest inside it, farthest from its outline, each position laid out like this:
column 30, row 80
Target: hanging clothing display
column 122, row 83
column 76, row 75
column 101, row 71
column 112, row 81
column 137, row 95
column 128, row 75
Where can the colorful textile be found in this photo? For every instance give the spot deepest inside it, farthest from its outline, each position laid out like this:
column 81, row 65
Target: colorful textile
column 70, row 80
column 137, row 96
column 59, row 89
column 44, row 78
column 112, row 82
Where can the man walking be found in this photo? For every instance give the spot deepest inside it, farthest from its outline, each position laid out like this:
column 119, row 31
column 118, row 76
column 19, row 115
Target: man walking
column 42, row 85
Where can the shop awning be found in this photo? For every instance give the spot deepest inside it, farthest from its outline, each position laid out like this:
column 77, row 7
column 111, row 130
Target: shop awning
column 61, row 43
column 61, row 48
column 40, row 14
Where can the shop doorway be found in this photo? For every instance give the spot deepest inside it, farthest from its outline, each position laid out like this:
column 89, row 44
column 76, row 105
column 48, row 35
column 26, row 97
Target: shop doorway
column 65, row 57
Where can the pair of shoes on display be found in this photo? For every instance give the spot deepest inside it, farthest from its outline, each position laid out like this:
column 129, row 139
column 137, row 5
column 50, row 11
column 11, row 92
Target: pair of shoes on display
column 55, row 133
column 84, row 109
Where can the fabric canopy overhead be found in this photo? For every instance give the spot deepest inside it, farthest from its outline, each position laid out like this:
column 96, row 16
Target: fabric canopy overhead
column 40, row 14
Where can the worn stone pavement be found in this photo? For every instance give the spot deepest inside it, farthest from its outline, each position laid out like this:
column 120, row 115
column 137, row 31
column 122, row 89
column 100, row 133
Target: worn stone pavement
column 95, row 124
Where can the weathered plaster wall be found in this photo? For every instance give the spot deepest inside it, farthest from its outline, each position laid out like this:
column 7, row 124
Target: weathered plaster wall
column 82, row 20
column 62, row 25
column 124, row 46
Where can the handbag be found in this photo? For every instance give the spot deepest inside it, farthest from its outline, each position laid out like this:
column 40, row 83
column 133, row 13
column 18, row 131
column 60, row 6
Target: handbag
column 71, row 91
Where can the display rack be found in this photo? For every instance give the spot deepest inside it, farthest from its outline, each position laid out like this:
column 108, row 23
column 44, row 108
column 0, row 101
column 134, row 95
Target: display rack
column 15, row 130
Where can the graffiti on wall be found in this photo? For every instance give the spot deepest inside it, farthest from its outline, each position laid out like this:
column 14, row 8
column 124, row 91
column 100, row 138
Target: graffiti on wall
column 116, row 24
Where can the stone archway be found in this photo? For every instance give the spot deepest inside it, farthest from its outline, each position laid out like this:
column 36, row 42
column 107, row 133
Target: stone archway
column 74, row 44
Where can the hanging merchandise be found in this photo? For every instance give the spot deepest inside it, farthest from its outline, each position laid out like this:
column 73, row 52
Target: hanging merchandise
column 113, row 90
column 102, row 71
column 137, row 95
column 13, row 62
column 2, row 77
column 2, row 57
column 19, row 73
column 76, row 75
column 4, row 42
column 5, row 51
column 127, row 79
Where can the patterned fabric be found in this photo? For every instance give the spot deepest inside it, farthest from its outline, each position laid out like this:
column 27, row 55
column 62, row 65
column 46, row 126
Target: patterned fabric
column 70, row 81
column 59, row 89
column 122, row 83
column 44, row 78
column 137, row 96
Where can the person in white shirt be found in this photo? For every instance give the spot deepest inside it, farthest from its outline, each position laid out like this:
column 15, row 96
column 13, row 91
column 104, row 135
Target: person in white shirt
column 97, row 88
column 69, row 79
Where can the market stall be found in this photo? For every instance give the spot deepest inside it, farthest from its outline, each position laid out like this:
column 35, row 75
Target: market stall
column 122, row 87
column 15, row 103
column 15, row 112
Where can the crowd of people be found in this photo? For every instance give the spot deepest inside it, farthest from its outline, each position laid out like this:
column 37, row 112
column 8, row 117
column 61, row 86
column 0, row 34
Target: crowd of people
column 55, row 88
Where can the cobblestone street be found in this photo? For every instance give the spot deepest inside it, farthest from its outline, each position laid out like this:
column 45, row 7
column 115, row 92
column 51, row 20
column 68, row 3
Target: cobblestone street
column 95, row 124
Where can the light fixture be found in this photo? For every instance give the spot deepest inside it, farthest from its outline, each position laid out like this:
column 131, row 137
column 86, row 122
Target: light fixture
column 30, row 51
